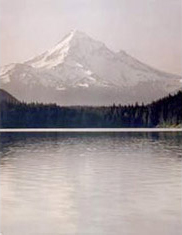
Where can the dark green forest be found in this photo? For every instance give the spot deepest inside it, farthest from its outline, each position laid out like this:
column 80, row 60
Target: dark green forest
column 166, row 112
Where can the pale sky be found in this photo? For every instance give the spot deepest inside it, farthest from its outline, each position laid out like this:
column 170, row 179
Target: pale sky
column 150, row 30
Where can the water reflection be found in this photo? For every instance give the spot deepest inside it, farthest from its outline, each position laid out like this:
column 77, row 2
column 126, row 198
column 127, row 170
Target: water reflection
column 91, row 183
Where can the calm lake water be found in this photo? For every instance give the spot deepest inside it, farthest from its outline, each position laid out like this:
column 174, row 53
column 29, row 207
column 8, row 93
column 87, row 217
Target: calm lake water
column 91, row 183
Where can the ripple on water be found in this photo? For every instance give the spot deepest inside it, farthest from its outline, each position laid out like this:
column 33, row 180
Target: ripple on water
column 91, row 183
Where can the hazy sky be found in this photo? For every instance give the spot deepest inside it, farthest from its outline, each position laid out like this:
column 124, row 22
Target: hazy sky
column 150, row 30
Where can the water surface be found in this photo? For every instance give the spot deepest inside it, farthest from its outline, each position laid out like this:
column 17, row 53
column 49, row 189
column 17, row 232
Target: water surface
column 91, row 183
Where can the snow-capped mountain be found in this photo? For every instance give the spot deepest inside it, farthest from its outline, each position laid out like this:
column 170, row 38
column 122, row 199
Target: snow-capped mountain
column 82, row 71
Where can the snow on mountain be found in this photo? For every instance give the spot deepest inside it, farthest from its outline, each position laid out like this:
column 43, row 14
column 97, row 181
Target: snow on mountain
column 81, row 70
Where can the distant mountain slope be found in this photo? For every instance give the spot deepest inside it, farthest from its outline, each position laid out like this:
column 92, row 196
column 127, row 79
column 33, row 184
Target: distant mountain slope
column 82, row 71
column 164, row 112
column 7, row 97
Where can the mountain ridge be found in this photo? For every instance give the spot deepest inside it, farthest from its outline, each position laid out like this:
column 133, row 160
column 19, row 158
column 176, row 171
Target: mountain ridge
column 81, row 70
column 7, row 97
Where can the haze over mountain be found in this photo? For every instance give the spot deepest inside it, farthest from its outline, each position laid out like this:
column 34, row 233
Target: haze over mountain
column 82, row 71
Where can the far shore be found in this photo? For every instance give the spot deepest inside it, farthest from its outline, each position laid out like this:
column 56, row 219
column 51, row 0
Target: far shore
column 91, row 130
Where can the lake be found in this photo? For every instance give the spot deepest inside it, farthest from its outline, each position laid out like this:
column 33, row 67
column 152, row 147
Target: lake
column 91, row 183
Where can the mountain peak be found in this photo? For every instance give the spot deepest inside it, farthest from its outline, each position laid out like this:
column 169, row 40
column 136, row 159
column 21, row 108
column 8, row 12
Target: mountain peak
column 78, row 33
column 76, row 42
column 80, row 70
column 73, row 35
column 56, row 54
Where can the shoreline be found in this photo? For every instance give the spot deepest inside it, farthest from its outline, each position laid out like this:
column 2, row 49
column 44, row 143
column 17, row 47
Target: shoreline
column 4, row 130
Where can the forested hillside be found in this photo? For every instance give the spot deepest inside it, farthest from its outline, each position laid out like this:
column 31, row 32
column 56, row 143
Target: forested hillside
column 164, row 112
column 6, row 97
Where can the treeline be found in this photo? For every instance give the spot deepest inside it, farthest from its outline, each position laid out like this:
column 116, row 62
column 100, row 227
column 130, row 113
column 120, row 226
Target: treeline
column 164, row 112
